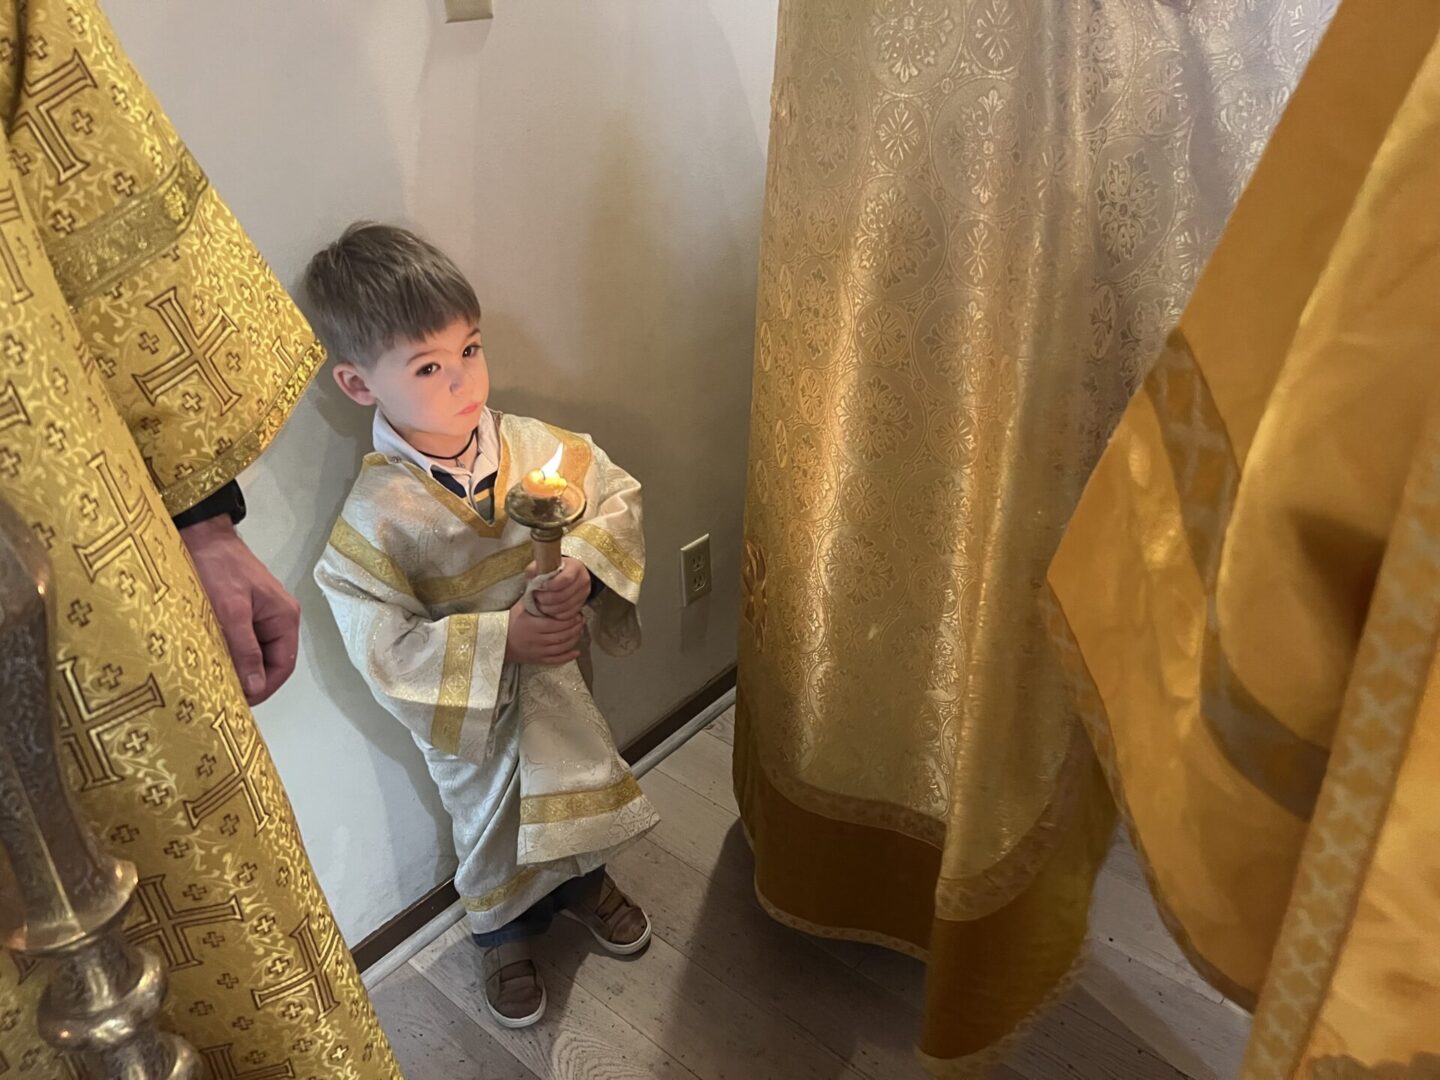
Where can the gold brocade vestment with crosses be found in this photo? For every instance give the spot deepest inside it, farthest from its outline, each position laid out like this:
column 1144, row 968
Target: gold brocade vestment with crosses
column 147, row 355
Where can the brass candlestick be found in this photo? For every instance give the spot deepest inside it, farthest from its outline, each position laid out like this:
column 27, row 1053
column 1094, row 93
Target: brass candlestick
column 547, row 516
column 64, row 899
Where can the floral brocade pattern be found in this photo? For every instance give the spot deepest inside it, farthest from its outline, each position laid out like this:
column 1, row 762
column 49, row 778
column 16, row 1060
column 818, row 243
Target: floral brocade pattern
column 1024, row 192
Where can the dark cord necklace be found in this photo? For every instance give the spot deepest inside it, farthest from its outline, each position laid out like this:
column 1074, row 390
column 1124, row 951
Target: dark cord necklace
column 475, row 434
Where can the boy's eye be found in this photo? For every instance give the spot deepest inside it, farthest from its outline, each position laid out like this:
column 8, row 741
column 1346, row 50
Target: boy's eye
column 471, row 350
column 427, row 369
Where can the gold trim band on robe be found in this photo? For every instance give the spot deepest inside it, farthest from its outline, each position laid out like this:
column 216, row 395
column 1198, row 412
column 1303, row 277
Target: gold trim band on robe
column 458, row 508
column 1092, row 713
column 105, row 251
column 462, row 632
column 1338, row 889
column 498, row 895
column 490, row 572
column 348, row 541
column 1282, row 764
column 611, row 549
column 570, row 806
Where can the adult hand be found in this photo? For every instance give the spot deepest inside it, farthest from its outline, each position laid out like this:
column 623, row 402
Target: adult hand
column 260, row 620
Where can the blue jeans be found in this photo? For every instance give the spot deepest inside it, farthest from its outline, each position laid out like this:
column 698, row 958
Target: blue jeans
column 541, row 914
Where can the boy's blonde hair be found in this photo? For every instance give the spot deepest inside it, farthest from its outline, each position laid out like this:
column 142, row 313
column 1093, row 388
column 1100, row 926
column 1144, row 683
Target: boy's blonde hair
column 379, row 284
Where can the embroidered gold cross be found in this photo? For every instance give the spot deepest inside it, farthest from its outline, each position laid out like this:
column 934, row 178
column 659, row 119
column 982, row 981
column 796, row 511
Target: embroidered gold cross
column 161, row 921
column 242, row 761
column 311, row 979
column 10, row 213
column 42, row 98
column 131, row 534
column 85, row 725
column 196, row 355
column 12, row 409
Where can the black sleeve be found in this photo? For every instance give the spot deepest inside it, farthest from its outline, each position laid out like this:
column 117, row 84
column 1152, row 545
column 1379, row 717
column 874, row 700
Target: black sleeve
column 596, row 588
column 228, row 500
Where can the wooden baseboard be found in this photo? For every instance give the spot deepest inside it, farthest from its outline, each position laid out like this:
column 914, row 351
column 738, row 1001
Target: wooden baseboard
column 395, row 930
column 679, row 716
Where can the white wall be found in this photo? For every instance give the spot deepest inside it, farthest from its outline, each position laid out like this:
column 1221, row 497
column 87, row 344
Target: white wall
column 596, row 167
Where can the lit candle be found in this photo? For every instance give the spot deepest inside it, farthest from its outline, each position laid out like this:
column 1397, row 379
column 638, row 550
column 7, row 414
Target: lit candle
column 546, row 482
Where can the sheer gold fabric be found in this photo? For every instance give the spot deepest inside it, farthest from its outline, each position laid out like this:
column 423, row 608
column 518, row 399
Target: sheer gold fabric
column 147, row 354
column 1247, row 593
column 982, row 217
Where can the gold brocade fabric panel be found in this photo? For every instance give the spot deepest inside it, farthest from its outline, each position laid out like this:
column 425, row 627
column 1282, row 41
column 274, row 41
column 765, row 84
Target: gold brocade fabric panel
column 157, row 741
column 200, row 348
column 982, row 217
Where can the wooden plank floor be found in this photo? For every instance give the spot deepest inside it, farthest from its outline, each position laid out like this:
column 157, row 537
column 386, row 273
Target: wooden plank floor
column 725, row 993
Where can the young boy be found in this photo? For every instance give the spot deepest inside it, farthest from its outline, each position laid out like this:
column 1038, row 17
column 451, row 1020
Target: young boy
column 442, row 613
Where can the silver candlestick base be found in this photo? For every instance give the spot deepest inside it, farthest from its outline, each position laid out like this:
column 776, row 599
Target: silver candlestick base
column 64, row 900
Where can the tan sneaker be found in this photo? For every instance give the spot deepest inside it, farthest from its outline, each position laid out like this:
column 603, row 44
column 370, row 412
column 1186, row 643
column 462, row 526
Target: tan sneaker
column 514, row 991
column 619, row 925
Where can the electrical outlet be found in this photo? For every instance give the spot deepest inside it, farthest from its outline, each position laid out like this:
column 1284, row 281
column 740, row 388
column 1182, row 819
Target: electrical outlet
column 695, row 570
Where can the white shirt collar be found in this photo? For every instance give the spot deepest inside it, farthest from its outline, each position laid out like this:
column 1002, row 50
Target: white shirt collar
column 391, row 443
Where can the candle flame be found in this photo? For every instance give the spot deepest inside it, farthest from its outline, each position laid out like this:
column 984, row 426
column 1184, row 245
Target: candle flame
column 546, row 482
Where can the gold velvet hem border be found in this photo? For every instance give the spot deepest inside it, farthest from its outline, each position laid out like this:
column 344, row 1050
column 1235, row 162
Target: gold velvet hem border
column 980, row 1065
column 975, row 895
column 834, row 873
column 833, row 933
column 854, row 882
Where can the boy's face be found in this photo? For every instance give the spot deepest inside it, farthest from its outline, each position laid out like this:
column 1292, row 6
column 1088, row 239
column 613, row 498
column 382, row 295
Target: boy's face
column 432, row 390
